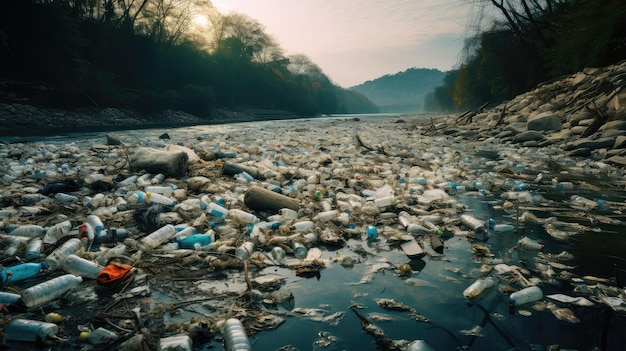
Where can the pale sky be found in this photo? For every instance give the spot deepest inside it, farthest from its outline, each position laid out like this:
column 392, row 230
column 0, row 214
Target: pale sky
column 353, row 41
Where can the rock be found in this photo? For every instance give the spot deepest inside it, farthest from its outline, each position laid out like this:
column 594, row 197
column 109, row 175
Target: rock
column 620, row 142
column 544, row 121
column 531, row 135
column 617, row 160
column 591, row 144
column 578, row 130
column 583, row 152
column 619, row 125
column 575, row 119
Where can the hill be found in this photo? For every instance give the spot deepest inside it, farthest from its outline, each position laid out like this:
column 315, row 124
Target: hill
column 402, row 92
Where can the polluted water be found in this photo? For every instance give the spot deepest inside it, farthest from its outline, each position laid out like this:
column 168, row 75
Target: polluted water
column 336, row 233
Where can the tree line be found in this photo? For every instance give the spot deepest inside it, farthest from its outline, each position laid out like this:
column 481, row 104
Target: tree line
column 530, row 42
column 151, row 55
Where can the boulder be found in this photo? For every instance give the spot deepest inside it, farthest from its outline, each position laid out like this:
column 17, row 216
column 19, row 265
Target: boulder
column 620, row 142
column 544, row 121
column 619, row 125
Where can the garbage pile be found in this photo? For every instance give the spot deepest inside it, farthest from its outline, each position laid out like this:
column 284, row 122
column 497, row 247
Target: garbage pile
column 91, row 233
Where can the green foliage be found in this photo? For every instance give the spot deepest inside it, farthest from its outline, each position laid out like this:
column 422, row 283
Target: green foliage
column 513, row 58
column 130, row 55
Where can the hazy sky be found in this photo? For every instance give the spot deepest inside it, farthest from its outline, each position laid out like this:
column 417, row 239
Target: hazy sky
column 358, row 40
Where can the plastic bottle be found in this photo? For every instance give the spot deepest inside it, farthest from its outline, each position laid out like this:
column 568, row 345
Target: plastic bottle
column 526, row 295
column 15, row 244
column 476, row 225
column 584, row 202
column 302, row 225
column 7, row 298
column 299, row 250
column 526, row 243
column 33, row 249
column 136, row 198
column 372, row 232
column 82, row 267
column 111, row 235
column 157, row 179
column 564, row 185
column 57, row 231
column 119, row 250
column 86, row 234
column 499, row 228
column 244, row 251
column 158, row 237
column 195, row 241
column 479, row 286
column 30, row 330
column 27, row 230
column 163, row 190
column 65, row 198
column 101, row 336
column 95, row 222
column 235, row 337
column 175, row 343
column 49, row 290
column 288, row 213
column 20, row 272
column 246, row 217
column 217, row 210
column 56, row 258
column 326, row 216
column 278, row 254
column 156, row 198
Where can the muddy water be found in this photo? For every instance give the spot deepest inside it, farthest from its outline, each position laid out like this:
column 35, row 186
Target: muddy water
column 435, row 286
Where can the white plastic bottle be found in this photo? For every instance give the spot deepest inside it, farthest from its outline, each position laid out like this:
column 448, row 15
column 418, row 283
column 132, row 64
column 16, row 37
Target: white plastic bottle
column 156, row 198
column 95, row 222
column 526, row 295
column 302, row 225
column 217, row 210
column 136, row 198
column 235, row 337
column 28, row 230
column 479, row 286
column 476, row 225
column 30, row 330
column 33, row 249
column 81, row 267
column 56, row 258
column 47, row 291
column 158, row 237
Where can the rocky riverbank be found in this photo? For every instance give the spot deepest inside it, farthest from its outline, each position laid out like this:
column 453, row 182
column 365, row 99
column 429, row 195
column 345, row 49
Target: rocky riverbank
column 583, row 113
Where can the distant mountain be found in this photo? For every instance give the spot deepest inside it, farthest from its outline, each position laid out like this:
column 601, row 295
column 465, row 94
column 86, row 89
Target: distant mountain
column 402, row 92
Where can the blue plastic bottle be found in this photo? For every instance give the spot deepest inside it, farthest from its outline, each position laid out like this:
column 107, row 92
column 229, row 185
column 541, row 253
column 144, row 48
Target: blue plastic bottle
column 193, row 241
column 20, row 272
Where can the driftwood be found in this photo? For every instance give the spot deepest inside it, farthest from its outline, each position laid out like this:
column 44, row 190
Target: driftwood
column 469, row 115
column 502, row 114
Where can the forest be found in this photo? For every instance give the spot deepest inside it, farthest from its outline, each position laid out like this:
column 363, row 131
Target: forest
column 152, row 55
column 531, row 42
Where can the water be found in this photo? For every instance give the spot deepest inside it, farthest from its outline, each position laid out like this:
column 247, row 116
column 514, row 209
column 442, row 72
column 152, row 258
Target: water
column 435, row 287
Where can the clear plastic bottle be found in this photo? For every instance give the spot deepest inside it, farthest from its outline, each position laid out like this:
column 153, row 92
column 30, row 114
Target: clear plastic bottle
column 158, row 237
column 56, row 258
column 583, row 202
column 526, row 243
column 119, row 250
column 163, row 190
column 156, row 198
column 419, row 345
column 65, row 198
column 157, row 179
column 33, row 249
column 526, row 295
column 57, row 231
column 299, row 250
column 235, row 337
column 82, row 267
column 30, row 330
column 246, row 217
column 479, row 286
column 27, row 230
column 15, row 244
column 244, row 251
column 278, row 254
column 326, row 216
column 101, row 336
column 49, row 290
column 475, row 225
column 302, row 225
column 21, row 272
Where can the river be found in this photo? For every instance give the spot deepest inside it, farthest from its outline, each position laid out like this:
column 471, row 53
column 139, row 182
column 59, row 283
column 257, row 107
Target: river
column 435, row 286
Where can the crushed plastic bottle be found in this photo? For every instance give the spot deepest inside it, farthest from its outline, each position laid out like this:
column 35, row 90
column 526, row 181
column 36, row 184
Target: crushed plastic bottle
column 480, row 285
